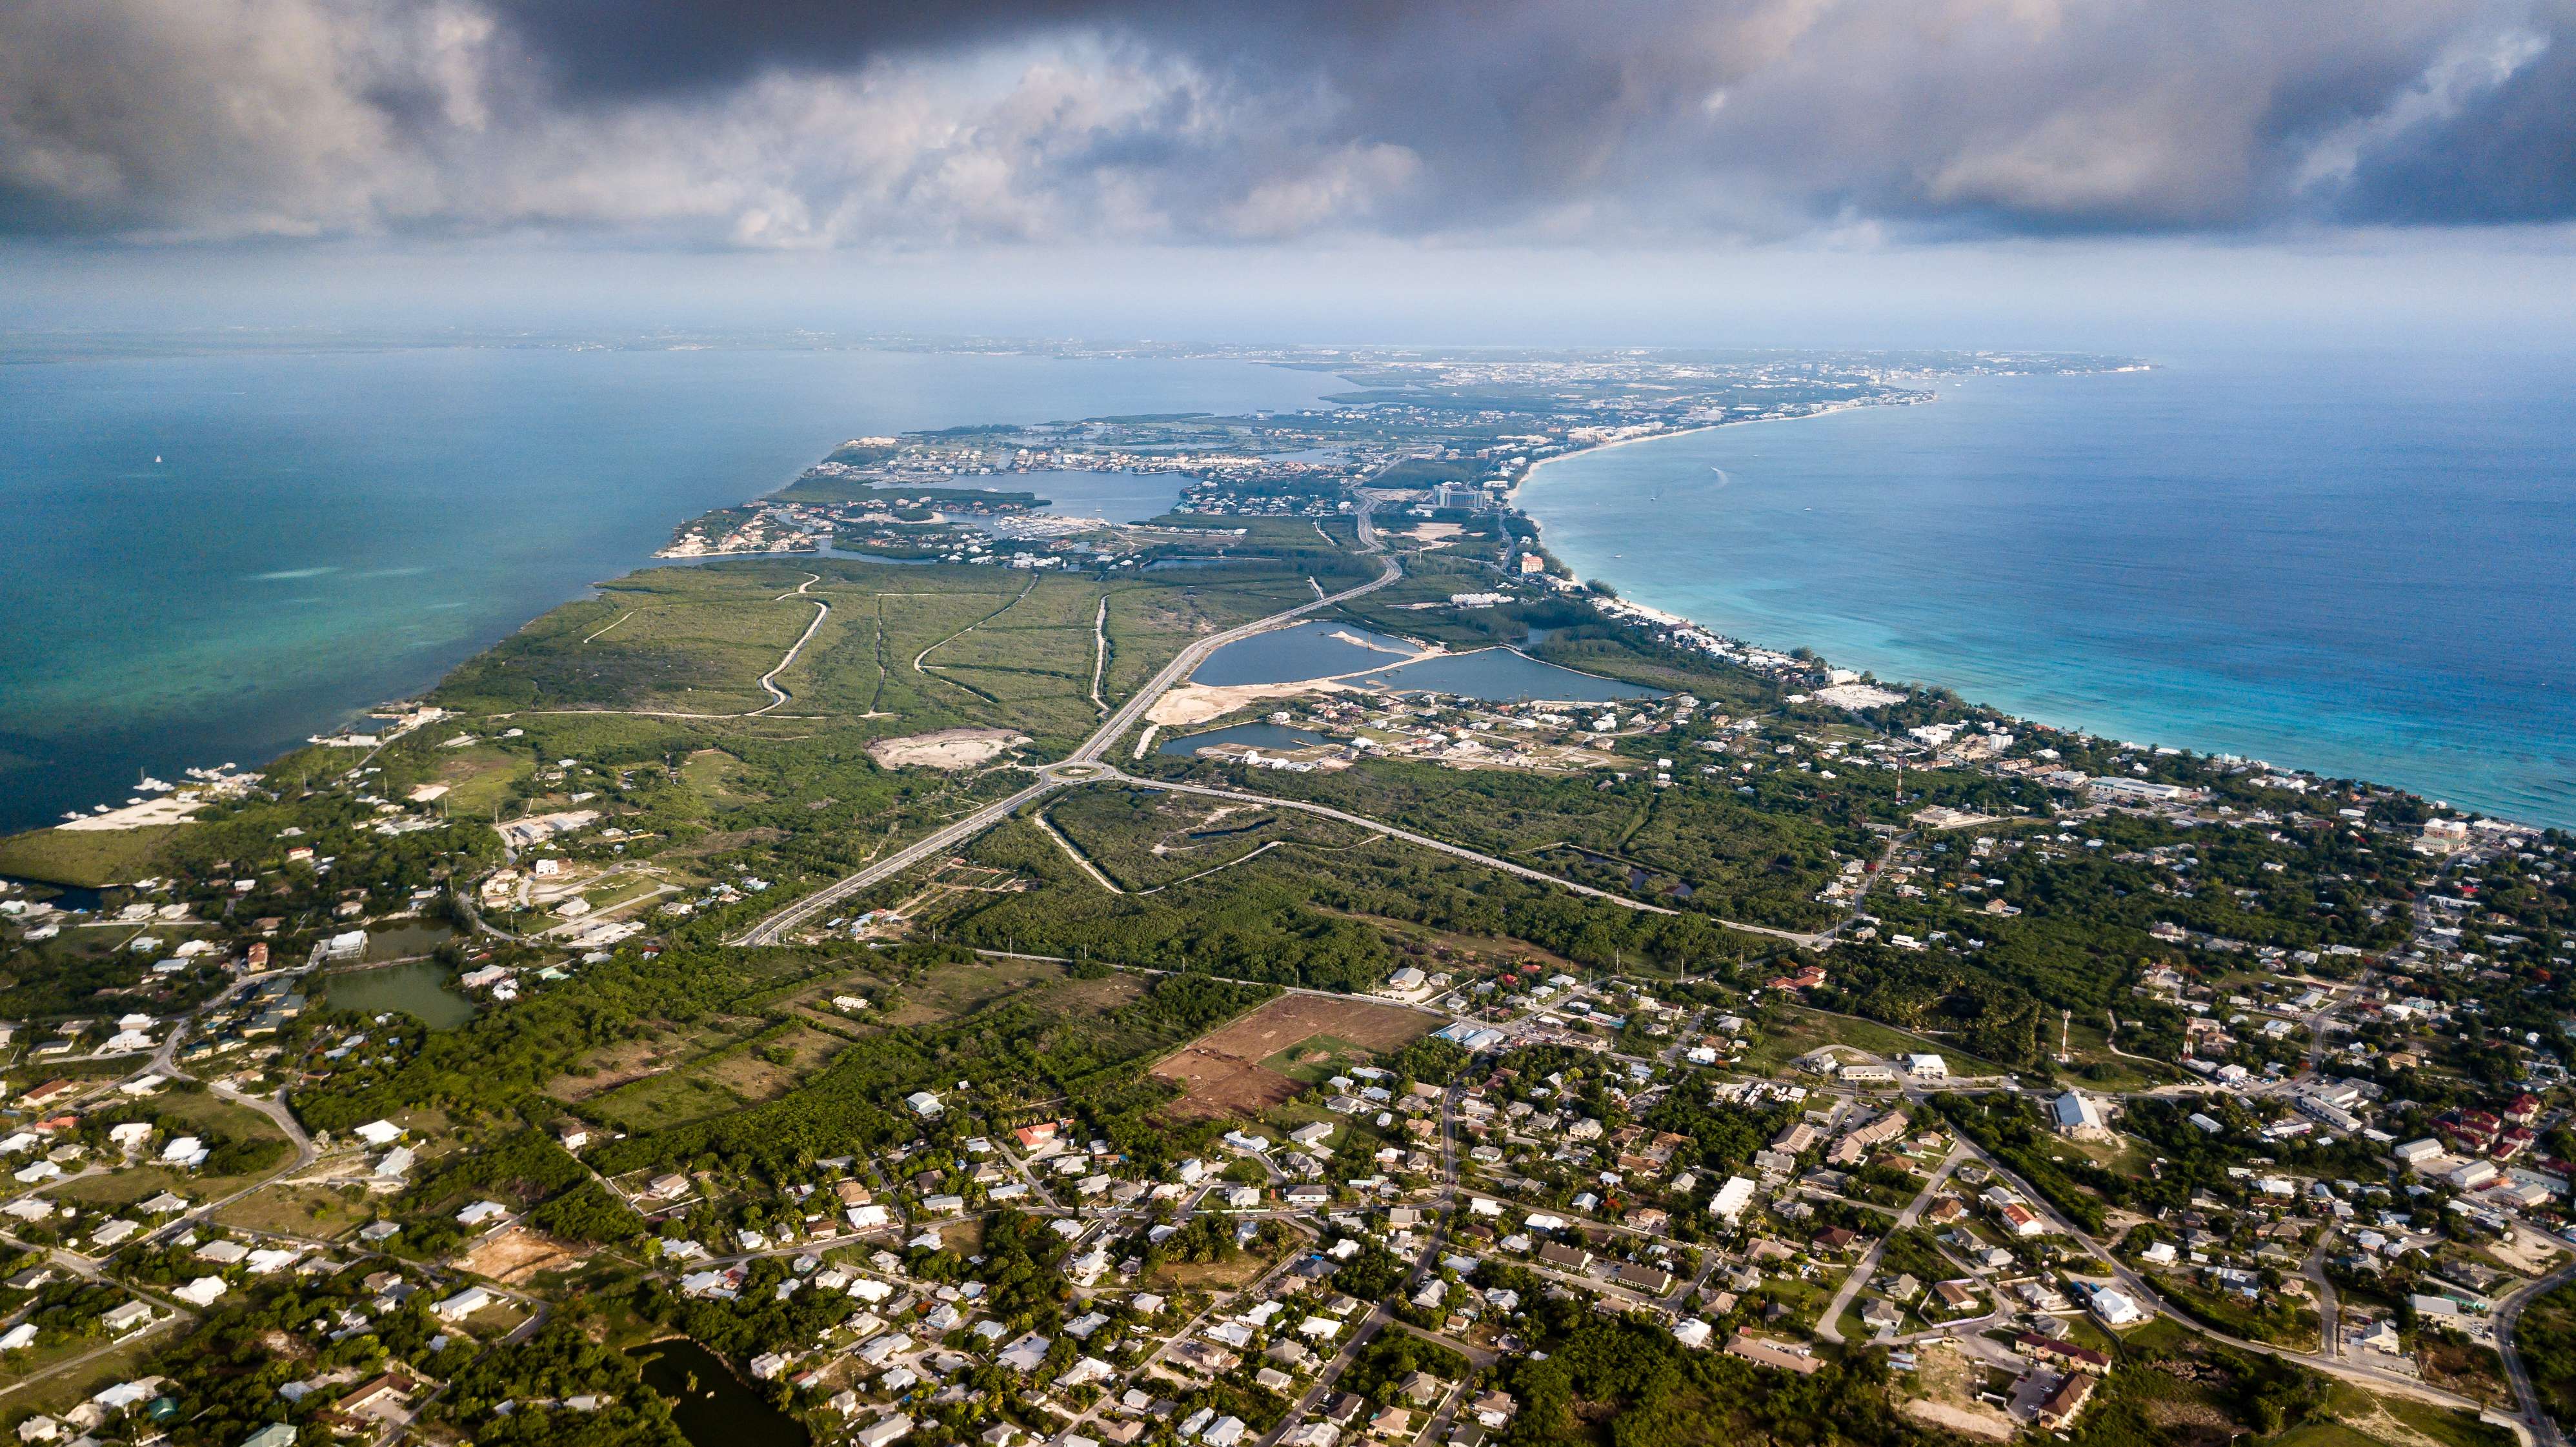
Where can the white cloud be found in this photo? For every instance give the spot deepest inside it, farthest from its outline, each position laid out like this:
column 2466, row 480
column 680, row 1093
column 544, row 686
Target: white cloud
column 1533, row 119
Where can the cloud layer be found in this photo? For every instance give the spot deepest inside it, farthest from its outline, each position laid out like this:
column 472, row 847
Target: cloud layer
column 810, row 123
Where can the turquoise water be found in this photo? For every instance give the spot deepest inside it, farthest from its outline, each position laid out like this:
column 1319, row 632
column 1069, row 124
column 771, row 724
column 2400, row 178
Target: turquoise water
column 1502, row 675
column 323, row 532
column 1303, row 651
column 2360, row 564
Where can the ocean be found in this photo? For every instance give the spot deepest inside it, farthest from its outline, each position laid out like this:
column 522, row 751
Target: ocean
column 218, row 555
column 2358, row 563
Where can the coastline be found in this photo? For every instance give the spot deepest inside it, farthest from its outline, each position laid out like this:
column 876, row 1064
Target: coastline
column 1667, row 617
column 1513, row 496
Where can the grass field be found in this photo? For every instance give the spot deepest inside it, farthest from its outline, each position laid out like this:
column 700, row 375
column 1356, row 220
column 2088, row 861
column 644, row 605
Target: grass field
column 322, row 1212
column 1146, row 840
column 1806, row 1029
column 902, row 650
column 90, row 859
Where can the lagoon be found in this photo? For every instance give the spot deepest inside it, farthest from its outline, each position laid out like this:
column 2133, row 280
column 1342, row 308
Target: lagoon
column 1504, row 675
column 422, row 989
column 1249, row 735
column 711, row 1406
column 1294, row 654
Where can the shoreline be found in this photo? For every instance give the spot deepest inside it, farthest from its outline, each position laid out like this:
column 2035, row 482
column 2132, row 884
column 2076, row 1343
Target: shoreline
column 1513, row 496
column 1584, row 585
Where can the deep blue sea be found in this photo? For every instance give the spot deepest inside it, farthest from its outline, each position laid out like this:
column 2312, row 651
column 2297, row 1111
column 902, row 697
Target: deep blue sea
column 324, row 532
column 2363, row 564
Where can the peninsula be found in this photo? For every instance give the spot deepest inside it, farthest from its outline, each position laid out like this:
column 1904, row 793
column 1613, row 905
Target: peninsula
column 940, row 968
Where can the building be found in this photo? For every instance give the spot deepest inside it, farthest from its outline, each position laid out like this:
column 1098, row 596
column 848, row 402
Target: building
column 1927, row 1067
column 2416, row 1153
column 1731, row 1199
column 2115, row 1308
column 1764, row 1352
column 2031, row 1343
column 884, row 1430
column 2076, row 1114
column 462, row 1305
column 2063, row 1404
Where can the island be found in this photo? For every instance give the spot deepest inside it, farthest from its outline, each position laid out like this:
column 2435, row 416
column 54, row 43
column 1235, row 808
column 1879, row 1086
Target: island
column 1301, row 968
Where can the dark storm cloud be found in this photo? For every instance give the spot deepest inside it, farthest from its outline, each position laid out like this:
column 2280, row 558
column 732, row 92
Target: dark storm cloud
column 808, row 123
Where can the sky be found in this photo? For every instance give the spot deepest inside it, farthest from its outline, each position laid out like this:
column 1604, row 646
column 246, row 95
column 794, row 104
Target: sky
column 2010, row 172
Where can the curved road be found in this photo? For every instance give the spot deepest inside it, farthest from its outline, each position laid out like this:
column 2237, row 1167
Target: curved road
column 1056, row 776
column 1083, row 766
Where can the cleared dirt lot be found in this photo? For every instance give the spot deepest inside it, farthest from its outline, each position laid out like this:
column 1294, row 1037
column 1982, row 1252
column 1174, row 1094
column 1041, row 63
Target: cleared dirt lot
column 946, row 749
column 1221, row 1070
column 516, row 1254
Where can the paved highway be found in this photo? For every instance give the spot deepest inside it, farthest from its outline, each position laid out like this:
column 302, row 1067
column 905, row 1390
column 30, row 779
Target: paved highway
column 1079, row 767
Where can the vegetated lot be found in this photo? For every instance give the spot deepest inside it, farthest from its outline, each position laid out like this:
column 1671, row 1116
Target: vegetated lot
column 1739, row 862
column 908, row 649
column 87, row 858
column 1221, row 1071
column 322, row 1213
column 1145, row 839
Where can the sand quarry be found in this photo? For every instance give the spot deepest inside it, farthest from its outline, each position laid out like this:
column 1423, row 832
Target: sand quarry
column 946, row 749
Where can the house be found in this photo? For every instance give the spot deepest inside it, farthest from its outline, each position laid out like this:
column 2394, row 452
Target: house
column 2115, row 1308
column 2063, row 1404
column 1652, row 1280
column 1564, row 1257
column 202, row 1291
column 1764, row 1352
column 884, row 1430
column 927, row 1106
column 1927, row 1067
column 463, row 1304
column 2031, row 1343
